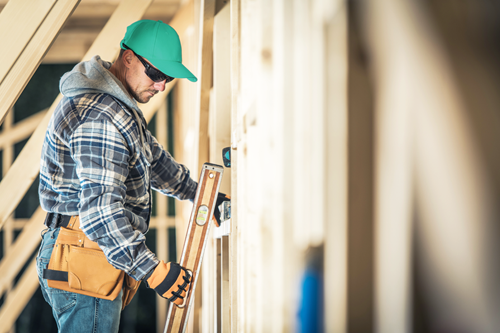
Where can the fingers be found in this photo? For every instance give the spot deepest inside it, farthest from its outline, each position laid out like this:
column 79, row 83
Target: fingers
column 216, row 217
column 223, row 197
column 170, row 281
column 180, row 294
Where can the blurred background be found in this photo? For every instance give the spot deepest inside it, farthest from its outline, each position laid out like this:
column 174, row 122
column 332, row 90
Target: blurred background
column 364, row 164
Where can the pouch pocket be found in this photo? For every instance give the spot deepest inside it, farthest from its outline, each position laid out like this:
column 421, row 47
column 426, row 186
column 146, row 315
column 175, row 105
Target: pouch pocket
column 89, row 271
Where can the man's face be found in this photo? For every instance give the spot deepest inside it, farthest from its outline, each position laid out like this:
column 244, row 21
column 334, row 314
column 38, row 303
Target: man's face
column 140, row 86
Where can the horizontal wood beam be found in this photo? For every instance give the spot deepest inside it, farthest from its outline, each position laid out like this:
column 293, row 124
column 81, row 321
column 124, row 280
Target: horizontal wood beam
column 21, row 250
column 19, row 297
column 21, row 130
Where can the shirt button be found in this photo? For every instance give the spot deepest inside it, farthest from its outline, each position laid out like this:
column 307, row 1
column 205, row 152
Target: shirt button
column 133, row 272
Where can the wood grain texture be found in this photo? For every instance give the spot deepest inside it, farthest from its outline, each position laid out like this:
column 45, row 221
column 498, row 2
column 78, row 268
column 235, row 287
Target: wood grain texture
column 205, row 63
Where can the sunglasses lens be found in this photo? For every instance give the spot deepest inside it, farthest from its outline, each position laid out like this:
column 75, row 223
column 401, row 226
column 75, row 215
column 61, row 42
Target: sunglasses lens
column 157, row 76
column 154, row 74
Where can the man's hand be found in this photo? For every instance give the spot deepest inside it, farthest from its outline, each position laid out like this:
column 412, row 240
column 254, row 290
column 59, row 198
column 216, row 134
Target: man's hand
column 170, row 281
column 220, row 199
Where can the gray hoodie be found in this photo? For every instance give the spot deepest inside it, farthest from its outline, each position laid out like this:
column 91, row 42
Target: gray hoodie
column 94, row 77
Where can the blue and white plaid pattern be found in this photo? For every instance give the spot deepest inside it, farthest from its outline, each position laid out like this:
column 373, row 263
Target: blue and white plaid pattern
column 93, row 165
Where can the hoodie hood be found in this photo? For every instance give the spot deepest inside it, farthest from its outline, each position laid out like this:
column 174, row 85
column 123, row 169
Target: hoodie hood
column 93, row 77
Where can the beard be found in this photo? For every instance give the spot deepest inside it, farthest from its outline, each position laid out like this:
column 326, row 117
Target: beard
column 143, row 96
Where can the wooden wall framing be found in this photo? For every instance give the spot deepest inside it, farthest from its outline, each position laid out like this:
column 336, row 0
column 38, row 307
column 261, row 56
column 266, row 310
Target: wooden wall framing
column 337, row 158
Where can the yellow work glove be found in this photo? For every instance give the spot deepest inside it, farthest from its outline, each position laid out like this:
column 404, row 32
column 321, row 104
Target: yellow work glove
column 170, row 281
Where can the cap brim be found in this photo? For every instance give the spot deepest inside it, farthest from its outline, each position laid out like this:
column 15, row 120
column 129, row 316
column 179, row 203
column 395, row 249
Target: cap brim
column 173, row 69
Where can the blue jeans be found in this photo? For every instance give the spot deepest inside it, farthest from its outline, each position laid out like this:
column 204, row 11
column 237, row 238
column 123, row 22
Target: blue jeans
column 75, row 312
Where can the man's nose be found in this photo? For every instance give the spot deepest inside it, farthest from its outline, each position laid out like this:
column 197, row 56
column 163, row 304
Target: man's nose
column 160, row 86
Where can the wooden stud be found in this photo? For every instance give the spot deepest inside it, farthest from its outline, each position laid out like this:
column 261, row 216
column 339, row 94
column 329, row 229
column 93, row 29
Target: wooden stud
column 205, row 62
column 394, row 178
column 217, row 277
column 161, row 204
column 220, row 137
column 220, row 133
column 235, row 49
column 335, row 208
column 225, row 299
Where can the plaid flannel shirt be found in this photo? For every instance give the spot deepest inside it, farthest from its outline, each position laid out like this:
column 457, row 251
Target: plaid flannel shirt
column 94, row 165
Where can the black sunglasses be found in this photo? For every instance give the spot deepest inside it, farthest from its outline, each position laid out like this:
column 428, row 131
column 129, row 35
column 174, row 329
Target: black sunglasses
column 150, row 71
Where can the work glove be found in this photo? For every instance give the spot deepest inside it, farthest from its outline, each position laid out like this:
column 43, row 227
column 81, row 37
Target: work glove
column 221, row 197
column 170, row 281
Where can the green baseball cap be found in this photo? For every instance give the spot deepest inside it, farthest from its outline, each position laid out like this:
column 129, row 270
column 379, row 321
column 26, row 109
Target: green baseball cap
column 159, row 43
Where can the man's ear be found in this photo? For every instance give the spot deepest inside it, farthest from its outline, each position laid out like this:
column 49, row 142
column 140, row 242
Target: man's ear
column 127, row 58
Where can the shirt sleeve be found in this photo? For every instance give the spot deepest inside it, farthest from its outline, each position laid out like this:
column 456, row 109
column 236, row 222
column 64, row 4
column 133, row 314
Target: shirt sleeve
column 168, row 176
column 101, row 156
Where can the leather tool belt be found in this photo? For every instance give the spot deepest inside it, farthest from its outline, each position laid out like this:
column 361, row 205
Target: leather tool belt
column 78, row 265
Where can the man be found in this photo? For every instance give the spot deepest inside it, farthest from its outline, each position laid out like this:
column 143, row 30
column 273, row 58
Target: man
column 99, row 162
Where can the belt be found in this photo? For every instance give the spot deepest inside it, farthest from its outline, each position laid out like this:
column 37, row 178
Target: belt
column 56, row 220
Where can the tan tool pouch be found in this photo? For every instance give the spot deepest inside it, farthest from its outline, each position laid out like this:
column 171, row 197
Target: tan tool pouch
column 78, row 265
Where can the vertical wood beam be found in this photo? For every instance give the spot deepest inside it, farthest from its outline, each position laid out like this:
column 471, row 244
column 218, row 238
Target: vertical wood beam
column 161, row 204
column 218, row 283
column 224, row 294
column 360, row 213
column 205, row 63
column 283, row 252
column 220, row 120
column 235, row 6
column 336, row 174
column 220, row 137
column 393, row 179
